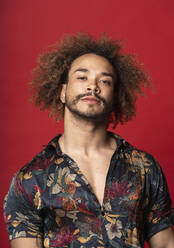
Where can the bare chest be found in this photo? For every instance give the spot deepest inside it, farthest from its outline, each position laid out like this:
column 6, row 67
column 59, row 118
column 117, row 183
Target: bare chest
column 95, row 170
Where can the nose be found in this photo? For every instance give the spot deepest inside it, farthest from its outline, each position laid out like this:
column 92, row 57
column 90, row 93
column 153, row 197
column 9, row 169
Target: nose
column 93, row 87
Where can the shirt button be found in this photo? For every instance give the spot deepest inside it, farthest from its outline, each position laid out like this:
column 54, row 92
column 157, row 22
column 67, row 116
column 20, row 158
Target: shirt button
column 102, row 212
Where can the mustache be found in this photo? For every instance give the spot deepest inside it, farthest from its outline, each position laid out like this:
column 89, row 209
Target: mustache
column 89, row 94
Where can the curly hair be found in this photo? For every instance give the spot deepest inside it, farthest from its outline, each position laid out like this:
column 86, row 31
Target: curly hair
column 54, row 64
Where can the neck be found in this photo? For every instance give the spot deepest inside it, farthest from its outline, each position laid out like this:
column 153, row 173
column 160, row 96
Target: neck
column 83, row 136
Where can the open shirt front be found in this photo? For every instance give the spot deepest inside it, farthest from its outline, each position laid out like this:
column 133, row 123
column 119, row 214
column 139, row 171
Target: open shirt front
column 50, row 198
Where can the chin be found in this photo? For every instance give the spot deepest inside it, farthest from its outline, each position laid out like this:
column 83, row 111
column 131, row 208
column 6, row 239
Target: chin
column 92, row 116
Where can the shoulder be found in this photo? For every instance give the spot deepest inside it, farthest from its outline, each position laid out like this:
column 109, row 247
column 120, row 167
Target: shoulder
column 145, row 166
column 136, row 157
column 44, row 158
column 36, row 170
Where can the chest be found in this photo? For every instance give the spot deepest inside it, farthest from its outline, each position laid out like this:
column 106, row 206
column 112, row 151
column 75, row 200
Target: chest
column 95, row 171
column 73, row 205
column 111, row 181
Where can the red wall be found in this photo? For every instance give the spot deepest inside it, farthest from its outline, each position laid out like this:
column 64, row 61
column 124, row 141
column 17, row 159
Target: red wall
column 27, row 27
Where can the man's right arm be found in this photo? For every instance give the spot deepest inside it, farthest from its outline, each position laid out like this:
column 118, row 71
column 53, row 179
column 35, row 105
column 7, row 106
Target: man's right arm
column 21, row 211
column 26, row 243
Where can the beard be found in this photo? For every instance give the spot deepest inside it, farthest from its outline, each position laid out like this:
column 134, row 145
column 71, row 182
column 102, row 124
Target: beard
column 91, row 113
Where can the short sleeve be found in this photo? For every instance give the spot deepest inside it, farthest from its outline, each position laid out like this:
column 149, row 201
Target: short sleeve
column 21, row 217
column 159, row 211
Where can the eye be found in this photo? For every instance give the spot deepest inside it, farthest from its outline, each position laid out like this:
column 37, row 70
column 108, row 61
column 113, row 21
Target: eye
column 105, row 81
column 82, row 78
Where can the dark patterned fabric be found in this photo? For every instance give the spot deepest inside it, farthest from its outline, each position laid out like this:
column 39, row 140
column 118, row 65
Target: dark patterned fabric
column 50, row 198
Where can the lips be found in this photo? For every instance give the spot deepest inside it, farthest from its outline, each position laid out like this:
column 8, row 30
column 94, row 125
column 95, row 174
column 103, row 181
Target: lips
column 90, row 100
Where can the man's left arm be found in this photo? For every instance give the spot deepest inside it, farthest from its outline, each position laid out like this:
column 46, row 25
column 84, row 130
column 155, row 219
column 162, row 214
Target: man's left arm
column 163, row 239
column 159, row 214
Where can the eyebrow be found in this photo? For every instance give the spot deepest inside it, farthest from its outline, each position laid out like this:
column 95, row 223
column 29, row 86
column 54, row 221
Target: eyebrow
column 107, row 74
column 81, row 69
column 103, row 73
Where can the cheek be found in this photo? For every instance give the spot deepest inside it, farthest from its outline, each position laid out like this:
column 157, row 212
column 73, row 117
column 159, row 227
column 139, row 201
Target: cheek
column 110, row 95
column 71, row 92
column 75, row 89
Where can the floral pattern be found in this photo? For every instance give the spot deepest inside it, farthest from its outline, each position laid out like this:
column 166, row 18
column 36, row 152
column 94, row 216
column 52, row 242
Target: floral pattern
column 50, row 198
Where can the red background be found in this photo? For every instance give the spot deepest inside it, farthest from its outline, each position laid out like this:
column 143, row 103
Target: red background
column 27, row 27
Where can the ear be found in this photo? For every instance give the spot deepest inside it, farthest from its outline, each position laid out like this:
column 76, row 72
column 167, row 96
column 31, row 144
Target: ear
column 62, row 93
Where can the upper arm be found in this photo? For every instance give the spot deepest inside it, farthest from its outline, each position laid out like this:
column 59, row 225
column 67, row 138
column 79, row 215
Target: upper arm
column 158, row 211
column 162, row 239
column 22, row 218
column 27, row 243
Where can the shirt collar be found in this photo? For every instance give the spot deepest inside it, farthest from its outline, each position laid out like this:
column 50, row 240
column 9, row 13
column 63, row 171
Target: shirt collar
column 121, row 143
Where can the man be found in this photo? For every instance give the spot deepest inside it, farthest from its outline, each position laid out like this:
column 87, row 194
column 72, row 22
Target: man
column 89, row 187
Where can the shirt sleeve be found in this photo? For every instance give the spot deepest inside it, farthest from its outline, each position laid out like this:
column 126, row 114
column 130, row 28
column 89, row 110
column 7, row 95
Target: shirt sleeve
column 159, row 212
column 21, row 216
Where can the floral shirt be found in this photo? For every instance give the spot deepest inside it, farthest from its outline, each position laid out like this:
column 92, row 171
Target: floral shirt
column 51, row 198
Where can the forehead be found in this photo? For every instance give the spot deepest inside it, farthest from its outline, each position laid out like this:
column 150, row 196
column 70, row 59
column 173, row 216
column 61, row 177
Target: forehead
column 91, row 62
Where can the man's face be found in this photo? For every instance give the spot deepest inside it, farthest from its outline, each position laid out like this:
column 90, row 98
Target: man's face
column 90, row 88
